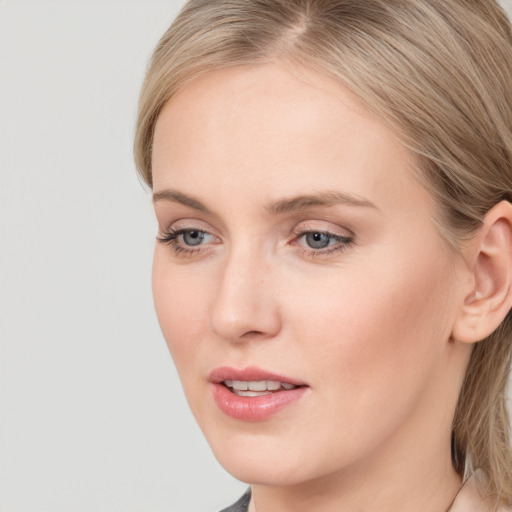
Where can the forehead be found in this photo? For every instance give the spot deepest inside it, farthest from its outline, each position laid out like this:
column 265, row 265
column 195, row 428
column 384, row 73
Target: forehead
column 281, row 127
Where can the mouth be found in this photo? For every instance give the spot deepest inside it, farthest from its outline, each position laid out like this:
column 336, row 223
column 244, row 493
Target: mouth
column 252, row 394
column 255, row 388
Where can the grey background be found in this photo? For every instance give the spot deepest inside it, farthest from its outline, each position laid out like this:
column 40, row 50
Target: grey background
column 92, row 417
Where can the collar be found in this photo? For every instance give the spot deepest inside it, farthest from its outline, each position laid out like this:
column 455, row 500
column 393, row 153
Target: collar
column 469, row 498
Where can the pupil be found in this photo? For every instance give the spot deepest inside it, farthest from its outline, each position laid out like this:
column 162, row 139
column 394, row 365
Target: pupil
column 317, row 240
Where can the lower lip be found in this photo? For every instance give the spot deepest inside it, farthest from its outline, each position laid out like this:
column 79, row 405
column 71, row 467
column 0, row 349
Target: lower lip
column 257, row 408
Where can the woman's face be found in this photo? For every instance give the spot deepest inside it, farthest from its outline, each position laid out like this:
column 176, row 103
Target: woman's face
column 300, row 282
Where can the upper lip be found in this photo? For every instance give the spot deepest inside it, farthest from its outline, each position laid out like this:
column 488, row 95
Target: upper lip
column 249, row 374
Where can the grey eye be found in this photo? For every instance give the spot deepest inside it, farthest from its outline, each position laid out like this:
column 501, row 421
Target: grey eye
column 318, row 240
column 193, row 237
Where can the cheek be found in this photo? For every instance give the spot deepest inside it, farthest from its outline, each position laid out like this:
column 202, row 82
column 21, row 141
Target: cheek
column 180, row 313
column 379, row 329
column 371, row 343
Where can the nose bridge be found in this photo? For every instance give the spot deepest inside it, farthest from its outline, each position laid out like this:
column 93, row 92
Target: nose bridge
column 245, row 305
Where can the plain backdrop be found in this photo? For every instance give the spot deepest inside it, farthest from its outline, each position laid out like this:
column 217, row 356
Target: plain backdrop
column 92, row 417
column 91, row 411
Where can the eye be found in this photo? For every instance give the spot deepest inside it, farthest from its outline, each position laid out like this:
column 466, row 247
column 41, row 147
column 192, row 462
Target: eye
column 186, row 241
column 315, row 242
column 193, row 237
column 318, row 240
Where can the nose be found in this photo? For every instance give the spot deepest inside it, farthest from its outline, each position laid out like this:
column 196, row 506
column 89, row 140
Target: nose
column 246, row 306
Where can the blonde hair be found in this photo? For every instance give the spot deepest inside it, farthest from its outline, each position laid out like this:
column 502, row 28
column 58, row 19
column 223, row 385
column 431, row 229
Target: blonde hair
column 440, row 73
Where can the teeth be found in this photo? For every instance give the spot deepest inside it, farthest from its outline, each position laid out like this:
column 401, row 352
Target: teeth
column 273, row 385
column 260, row 385
column 257, row 386
column 252, row 393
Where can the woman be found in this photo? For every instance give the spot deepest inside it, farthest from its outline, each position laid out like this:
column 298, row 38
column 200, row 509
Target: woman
column 331, row 180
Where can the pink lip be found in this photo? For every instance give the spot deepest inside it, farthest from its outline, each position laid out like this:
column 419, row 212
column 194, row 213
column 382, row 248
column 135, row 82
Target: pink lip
column 257, row 408
column 251, row 373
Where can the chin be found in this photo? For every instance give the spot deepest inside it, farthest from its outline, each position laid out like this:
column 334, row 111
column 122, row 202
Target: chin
column 260, row 471
column 255, row 458
column 267, row 459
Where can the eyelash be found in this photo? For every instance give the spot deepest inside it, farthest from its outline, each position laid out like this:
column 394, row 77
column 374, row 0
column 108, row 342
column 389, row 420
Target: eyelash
column 170, row 237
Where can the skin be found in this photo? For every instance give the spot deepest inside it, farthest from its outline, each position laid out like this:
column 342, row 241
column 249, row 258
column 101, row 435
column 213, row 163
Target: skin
column 367, row 326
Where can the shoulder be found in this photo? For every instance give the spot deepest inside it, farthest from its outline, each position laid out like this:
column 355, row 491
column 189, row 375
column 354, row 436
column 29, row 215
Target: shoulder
column 242, row 505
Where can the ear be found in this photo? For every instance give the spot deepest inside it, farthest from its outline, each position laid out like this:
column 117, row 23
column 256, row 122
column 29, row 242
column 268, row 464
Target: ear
column 488, row 297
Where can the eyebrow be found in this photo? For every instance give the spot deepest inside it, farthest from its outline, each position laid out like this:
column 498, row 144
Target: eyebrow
column 178, row 197
column 328, row 198
column 282, row 206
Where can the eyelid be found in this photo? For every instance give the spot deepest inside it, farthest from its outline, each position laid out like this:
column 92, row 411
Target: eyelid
column 322, row 227
column 189, row 224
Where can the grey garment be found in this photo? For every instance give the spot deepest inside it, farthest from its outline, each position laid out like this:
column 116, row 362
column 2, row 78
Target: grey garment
column 242, row 505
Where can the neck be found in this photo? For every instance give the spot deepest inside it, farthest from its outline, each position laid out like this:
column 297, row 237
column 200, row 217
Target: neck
column 400, row 481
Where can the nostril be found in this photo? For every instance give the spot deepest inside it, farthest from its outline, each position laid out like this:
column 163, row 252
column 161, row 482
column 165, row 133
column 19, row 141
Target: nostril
column 251, row 334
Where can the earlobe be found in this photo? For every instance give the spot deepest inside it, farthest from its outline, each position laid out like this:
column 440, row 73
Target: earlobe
column 488, row 301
